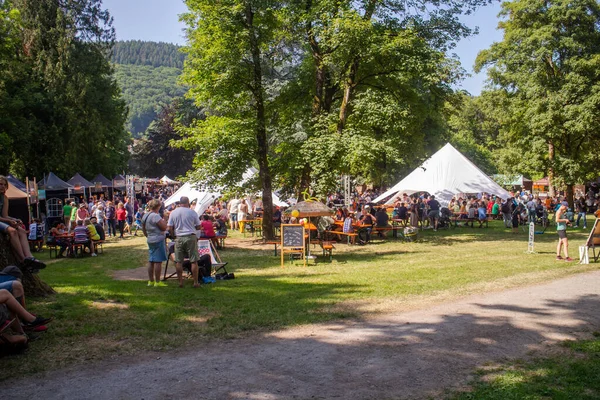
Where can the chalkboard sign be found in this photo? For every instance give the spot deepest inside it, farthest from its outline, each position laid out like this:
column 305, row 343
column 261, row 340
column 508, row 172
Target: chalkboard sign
column 292, row 241
column 292, row 236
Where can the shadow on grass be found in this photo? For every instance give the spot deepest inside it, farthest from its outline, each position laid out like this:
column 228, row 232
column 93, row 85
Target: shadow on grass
column 412, row 355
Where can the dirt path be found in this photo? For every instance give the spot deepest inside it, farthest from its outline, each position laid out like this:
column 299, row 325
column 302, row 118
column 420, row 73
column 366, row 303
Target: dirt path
column 407, row 355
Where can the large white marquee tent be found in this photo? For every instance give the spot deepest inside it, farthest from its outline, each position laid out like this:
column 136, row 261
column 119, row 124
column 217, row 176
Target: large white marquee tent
column 445, row 174
column 204, row 198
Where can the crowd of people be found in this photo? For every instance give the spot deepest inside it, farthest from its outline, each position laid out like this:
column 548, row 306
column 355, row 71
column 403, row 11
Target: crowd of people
column 100, row 218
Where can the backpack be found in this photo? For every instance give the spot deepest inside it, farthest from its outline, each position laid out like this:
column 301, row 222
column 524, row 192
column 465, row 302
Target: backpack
column 505, row 208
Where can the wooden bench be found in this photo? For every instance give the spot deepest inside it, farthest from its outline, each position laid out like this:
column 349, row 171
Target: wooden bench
column 471, row 221
column 78, row 249
column 36, row 245
column 274, row 242
column 350, row 235
column 98, row 246
column 221, row 240
column 382, row 230
column 327, row 249
column 52, row 247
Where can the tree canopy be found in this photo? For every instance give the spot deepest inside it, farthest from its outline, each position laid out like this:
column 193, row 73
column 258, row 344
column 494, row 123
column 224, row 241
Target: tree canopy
column 145, row 90
column 547, row 70
column 152, row 154
column 61, row 107
column 346, row 86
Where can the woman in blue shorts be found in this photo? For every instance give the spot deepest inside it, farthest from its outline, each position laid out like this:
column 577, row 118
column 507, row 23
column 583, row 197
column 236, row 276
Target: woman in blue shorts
column 154, row 228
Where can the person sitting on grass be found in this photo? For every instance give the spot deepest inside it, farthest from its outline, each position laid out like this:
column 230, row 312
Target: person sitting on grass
column 17, row 236
column 82, row 236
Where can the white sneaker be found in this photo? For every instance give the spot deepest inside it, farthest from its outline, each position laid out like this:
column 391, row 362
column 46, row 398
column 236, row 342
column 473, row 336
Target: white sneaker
column 94, row 255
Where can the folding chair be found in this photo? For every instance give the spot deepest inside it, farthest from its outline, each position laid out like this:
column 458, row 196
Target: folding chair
column 208, row 247
column 204, row 247
column 593, row 241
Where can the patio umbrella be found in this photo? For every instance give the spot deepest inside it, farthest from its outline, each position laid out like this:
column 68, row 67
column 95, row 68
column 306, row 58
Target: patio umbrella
column 307, row 209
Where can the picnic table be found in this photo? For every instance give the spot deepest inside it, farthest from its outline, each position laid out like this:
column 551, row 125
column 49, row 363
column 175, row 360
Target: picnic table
column 456, row 217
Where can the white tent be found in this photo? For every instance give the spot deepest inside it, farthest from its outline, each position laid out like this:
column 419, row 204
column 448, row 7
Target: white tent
column 278, row 202
column 444, row 175
column 203, row 198
column 166, row 180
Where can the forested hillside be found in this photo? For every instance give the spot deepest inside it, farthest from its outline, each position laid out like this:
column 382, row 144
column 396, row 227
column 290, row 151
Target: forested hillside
column 138, row 52
column 147, row 73
column 145, row 89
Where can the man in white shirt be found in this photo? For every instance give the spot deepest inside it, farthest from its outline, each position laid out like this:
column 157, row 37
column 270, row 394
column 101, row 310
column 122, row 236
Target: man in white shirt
column 183, row 224
column 232, row 207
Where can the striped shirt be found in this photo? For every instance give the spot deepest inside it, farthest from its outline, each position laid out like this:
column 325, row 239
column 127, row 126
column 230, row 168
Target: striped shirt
column 81, row 234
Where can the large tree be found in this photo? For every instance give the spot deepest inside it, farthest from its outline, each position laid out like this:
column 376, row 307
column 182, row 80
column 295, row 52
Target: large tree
column 64, row 111
column 547, row 67
column 377, row 74
column 333, row 87
column 233, row 44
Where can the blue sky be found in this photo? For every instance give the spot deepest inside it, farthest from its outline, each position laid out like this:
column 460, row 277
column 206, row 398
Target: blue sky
column 158, row 20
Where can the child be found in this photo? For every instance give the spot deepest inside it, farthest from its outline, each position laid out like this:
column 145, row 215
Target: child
column 138, row 221
column 481, row 213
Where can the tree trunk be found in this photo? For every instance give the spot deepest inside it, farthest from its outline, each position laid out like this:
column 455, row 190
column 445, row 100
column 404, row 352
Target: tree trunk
column 551, row 190
column 351, row 80
column 33, row 285
column 570, row 195
column 348, row 93
column 262, row 154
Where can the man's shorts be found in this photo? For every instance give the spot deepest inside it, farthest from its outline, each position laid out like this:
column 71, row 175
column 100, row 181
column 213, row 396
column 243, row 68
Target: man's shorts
column 186, row 247
column 233, row 217
column 4, row 227
column 157, row 252
column 434, row 214
column 562, row 234
column 6, row 282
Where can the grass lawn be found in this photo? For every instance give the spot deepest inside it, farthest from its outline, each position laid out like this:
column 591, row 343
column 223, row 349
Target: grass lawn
column 571, row 372
column 97, row 316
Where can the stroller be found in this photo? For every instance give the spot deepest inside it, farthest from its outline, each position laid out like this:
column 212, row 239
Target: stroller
column 444, row 221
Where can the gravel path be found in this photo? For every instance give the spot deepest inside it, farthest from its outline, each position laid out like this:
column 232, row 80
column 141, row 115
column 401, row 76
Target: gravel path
column 405, row 355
